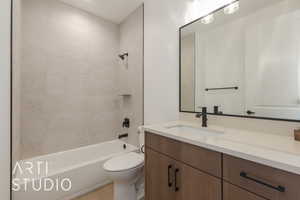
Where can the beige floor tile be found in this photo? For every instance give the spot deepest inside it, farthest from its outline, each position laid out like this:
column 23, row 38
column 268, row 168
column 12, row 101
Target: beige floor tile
column 104, row 193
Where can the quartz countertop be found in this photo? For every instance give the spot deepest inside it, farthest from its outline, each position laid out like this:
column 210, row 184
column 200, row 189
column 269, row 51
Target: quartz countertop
column 276, row 151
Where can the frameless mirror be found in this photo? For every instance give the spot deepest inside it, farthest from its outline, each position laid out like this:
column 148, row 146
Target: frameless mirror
column 243, row 60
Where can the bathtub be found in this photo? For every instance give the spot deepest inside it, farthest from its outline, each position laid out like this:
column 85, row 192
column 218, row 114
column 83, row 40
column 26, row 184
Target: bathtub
column 81, row 168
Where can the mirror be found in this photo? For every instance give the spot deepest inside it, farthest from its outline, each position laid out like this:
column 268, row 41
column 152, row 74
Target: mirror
column 243, row 60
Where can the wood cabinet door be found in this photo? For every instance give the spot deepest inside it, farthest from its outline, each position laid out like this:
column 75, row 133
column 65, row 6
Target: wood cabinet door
column 192, row 184
column 231, row 192
column 159, row 176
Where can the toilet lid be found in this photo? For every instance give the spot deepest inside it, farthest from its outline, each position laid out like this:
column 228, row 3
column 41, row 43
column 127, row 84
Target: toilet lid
column 124, row 162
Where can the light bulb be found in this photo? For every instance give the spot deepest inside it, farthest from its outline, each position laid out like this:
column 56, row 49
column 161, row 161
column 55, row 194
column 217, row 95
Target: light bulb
column 232, row 8
column 207, row 19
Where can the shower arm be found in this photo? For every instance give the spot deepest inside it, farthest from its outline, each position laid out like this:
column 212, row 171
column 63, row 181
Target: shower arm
column 122, row 56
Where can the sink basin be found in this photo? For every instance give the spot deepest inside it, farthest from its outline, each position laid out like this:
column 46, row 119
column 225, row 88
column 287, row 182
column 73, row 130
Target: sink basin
column 192, row 132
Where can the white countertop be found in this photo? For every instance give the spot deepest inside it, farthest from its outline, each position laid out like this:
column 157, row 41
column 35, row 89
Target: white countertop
column 276, row 151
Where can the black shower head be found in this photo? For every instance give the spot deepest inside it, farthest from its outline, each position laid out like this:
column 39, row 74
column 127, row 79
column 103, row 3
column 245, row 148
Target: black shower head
column 122, row 56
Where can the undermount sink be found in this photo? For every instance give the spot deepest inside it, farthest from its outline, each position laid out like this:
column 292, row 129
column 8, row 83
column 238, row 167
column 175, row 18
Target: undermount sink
column 191, row 132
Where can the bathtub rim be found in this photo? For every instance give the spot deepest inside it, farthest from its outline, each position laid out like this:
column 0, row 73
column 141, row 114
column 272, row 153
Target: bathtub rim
column 73, row 167
column 75, row 149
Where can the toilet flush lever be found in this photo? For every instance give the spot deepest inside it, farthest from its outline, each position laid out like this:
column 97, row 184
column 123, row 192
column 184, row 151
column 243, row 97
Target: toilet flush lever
column 143, row 149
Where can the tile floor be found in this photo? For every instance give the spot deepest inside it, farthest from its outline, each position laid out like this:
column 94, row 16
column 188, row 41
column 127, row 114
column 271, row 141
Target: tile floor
column 104, row 193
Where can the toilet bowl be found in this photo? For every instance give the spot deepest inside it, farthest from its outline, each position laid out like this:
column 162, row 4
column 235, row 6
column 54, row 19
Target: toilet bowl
column 125, row 171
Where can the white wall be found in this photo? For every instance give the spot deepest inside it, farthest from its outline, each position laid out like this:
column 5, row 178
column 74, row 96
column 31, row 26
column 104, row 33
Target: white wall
column 162, row 21
column 5, row 99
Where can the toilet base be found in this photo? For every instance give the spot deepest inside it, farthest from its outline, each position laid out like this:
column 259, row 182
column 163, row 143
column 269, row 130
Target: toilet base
column 124, row 191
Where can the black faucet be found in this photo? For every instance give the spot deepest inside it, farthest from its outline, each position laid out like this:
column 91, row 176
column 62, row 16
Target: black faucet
column 203, row 114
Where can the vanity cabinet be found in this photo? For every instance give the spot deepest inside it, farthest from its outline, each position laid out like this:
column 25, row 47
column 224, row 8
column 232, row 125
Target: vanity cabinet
column 179, row 171
column 169, row 175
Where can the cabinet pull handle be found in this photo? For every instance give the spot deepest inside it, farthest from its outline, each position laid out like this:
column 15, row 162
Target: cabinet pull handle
column 176, row 186
column 278, row 188
column 169, row 172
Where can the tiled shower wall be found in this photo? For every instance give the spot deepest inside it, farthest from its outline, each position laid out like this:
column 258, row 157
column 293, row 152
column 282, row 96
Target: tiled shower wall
column 68, row 70
column 131, row 41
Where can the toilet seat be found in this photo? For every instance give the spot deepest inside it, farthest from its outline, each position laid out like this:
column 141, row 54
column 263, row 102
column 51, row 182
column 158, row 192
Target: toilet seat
column 124, row 162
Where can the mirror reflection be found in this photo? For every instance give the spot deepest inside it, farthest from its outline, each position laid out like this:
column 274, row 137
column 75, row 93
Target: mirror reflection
column 243, row 60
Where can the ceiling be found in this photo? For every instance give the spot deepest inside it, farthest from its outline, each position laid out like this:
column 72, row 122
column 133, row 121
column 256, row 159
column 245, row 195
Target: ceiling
column 112, row 10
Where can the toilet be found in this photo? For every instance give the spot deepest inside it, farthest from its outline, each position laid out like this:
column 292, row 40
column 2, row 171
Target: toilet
column 126, row 171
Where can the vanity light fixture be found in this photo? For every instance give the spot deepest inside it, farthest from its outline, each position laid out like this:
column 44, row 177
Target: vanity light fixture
column 232, row 8
column 208, row 19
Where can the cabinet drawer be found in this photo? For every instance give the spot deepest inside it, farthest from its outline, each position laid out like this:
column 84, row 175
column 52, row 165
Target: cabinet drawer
column 265, row 181
column 199, row 158
column 231, row 192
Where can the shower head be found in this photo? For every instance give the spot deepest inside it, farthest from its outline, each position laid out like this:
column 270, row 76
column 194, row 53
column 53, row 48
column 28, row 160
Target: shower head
column 122, row 56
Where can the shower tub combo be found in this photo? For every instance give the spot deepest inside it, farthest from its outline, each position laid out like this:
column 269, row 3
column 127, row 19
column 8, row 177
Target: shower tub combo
column 82, row 166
